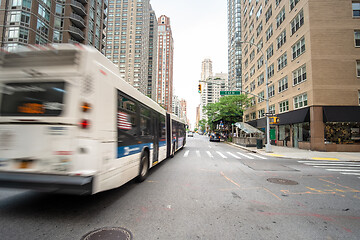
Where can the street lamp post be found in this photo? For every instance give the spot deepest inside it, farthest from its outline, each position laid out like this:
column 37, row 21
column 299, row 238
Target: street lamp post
column 268, row 145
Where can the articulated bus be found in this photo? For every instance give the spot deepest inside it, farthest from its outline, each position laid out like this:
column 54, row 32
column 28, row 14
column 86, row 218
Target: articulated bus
column 70, row 124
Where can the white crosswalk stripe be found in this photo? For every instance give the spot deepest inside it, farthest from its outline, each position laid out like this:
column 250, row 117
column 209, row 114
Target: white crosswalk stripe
column 241, row 154
column 222, row 155
column 257, row 156
column 231, row 154
column 186, row 153
column 209, row 153
column 198, row 153
column 343, row 167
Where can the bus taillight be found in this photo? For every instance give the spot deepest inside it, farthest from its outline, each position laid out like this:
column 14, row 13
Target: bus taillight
column 84, row 124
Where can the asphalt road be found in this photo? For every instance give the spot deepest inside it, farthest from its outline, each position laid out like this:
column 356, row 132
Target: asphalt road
column 209, row 190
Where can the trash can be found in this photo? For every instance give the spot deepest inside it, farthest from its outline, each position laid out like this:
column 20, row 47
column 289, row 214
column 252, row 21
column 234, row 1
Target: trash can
column 259, row 143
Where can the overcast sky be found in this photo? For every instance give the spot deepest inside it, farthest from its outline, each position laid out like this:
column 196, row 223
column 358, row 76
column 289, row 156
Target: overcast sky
column 199, row 30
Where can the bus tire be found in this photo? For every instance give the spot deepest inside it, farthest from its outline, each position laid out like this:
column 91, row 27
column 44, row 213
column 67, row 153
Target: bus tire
column 144, row 167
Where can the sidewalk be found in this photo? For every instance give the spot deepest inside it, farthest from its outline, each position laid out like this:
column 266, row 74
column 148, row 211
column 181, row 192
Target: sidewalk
column 295, row 153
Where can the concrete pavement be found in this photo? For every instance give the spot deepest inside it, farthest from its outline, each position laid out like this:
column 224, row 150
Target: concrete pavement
column 295, row 153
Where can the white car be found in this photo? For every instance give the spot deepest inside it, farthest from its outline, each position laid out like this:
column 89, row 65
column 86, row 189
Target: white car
column 190, row 134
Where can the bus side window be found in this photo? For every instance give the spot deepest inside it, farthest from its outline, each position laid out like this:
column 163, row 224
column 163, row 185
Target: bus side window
column 145, row 122
column 127, row 120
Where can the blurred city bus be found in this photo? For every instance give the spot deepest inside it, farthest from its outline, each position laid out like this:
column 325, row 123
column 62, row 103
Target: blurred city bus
column 70, row 124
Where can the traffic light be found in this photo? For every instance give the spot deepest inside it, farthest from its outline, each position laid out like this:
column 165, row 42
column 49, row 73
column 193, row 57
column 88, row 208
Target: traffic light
column 199, row 88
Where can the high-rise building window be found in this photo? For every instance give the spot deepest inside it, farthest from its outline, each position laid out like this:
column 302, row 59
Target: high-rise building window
column 297, row 22
column 299, row 75
column 358, row 68
column 268, row 14
column 261, row 113
column 283, row 84
column 298, row 48
column 272, row 109
column 284, row 106
column 356, row 8
column 271, row 90
column 260, row 79
column 271, row 71
column 300, row 101
column 269, row 32
column 261, row 97
column 270, row 51
column 357, row 38
column 281, row 40
column 13, row 32
column 280, row 17
column 282, row 61
column 293, row 4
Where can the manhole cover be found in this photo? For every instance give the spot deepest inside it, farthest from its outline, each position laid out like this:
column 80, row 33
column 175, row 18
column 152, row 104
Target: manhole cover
column 282, row 181
column 109, row 233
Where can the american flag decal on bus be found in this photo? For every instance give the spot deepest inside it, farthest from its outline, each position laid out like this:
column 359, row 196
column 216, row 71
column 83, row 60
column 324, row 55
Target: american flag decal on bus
column 123, row 121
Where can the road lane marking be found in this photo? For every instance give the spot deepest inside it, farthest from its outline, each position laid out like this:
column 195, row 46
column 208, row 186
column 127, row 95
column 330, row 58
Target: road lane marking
column 186, row 153
column 245, row 155
column 222, row 155
column 346, row 173
column 343, row 170
column 332, row 164
column 253, row 154
column 275, row 155
column 198, row 153
column 328, row 159
column 324, row 162
column 237, row 157
column 337, row 167
column 210, row 155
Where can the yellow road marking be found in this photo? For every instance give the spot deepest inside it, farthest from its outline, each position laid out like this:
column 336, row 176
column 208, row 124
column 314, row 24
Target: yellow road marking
column 275, row 155
column 329, row 159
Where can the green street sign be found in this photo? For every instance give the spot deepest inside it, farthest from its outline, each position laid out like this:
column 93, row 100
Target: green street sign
column 222, row 93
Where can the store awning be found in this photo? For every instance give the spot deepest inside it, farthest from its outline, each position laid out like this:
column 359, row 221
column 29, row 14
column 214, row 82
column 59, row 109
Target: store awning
column 341, row 114
column 297, row 116
column 247, row 128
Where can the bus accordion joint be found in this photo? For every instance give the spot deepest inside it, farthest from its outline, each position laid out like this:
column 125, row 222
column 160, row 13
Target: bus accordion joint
column 85, row 124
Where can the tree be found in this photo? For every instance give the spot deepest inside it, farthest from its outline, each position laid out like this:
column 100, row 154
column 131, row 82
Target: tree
column 202, row 124
column 229, row 110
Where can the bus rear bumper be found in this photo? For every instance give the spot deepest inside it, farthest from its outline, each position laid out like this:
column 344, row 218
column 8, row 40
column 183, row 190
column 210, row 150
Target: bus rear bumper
column 76, row 185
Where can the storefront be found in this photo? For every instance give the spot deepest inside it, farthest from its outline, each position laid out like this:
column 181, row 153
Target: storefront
column 328, row 128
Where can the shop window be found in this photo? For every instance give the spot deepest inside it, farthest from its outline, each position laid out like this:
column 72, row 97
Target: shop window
column 342, row 133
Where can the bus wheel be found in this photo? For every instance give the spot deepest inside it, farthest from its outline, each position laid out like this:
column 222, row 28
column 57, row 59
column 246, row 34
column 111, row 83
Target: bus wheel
column 144, row 167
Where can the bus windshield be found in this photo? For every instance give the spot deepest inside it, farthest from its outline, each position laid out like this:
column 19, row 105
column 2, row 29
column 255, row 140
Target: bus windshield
column 32, row 98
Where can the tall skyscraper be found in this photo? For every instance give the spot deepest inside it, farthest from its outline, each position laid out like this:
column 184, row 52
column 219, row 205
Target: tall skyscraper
column 151, row 86
column 206, row 72
column 165, row 63
column 313, row 53
column 234, row 46
column 128, row 40
column 25, row 22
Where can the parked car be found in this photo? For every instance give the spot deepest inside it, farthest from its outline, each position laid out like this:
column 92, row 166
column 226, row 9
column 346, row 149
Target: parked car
column 190, row 134
column 215, row 137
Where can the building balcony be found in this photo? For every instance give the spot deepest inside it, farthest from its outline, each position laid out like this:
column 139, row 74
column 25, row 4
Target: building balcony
column 83, row 1
column 73, row 41
column 76, row 33
column 78, row 7
column 77, row 20
column 105, row 4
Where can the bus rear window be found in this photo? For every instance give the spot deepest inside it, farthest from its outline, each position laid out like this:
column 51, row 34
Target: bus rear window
column 32, row 99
